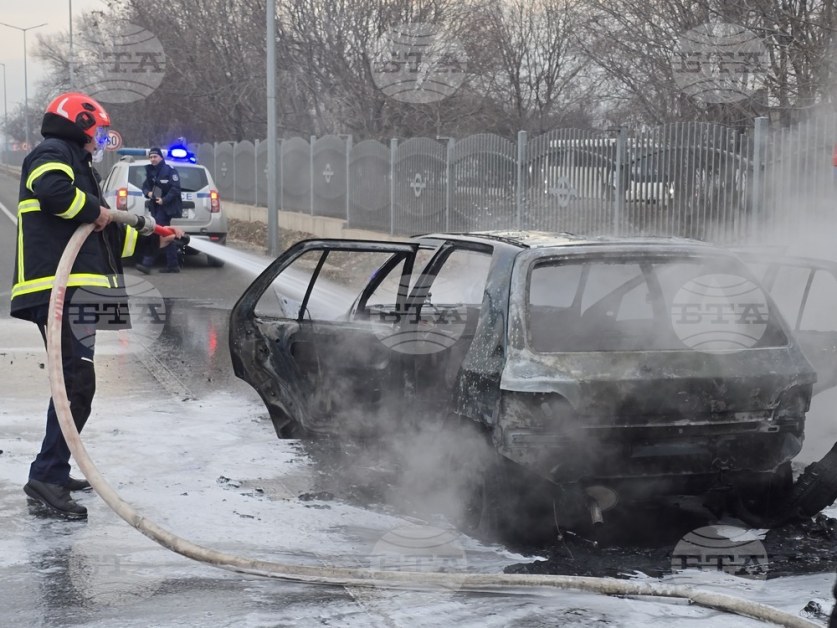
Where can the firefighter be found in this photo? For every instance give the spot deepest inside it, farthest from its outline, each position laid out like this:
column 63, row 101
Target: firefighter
column 58, row 192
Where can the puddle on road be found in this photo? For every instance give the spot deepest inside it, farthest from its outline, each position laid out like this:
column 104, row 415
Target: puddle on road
column 194, row 346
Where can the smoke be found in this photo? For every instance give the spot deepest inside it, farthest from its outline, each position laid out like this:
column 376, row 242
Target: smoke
column 420, row 463
column 797, row 216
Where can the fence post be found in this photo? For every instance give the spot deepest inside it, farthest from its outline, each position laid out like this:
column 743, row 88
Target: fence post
column 234, row 195
column 448, row 181
column 348, row 178
column 621, row 180
column 520, row 183
column 393, row 148
column 280, row 176
column 760, row 129
column 256, row 173
column 311, row 171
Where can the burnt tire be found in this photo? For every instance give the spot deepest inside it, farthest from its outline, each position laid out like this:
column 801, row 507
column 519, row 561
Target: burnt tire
column 816, row 488
column 518, row 505
column 489, row 496
column 287, row 427
column 463, row 450
column 767, row 494
column 508, row 505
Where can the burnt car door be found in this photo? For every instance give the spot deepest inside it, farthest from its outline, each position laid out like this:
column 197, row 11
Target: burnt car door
column 297, row 337
column 805, row 290
column 445, row 302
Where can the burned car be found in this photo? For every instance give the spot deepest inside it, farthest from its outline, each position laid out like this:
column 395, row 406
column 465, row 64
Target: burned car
column 604, row 370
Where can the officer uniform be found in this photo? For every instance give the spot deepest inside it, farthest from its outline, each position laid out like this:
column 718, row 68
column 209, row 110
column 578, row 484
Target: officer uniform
column 58, row 192
column 161, row 181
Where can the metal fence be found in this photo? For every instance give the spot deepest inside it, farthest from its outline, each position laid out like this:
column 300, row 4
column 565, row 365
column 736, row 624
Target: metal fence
column 687, row 179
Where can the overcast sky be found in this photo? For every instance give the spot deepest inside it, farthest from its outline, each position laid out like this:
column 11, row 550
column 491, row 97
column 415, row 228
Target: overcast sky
column 26, row 13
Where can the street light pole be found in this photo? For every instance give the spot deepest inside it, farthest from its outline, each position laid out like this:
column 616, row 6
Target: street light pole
column 5, row 116
column 273, row 241
column 71, row 46
column 25, row 77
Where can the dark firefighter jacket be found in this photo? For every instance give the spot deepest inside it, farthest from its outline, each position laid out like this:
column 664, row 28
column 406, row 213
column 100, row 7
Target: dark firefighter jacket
column 166, row 180
column 58, row 192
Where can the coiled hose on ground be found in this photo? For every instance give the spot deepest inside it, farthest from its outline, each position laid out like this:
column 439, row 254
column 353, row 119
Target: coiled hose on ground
column 342, row 576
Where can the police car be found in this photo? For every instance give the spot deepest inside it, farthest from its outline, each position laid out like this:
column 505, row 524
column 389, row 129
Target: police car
column 202, row 215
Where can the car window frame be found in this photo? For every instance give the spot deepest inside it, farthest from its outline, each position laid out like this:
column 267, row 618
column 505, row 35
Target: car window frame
column 642, row 258
column 430, row 271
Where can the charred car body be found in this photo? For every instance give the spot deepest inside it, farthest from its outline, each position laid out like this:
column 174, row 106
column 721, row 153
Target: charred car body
column 612, row 369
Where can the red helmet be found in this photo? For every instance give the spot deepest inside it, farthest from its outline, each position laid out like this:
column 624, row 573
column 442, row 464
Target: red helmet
column 85, row 112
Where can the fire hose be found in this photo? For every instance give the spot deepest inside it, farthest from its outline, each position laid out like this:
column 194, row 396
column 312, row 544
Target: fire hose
column 328, row 575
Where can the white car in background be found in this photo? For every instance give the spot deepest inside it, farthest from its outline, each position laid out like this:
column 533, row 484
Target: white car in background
column 202, row 215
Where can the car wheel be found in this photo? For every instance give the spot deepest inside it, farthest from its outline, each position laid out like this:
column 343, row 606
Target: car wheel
column 816, row 488
column 496, row 499
column 214, row 262
column 518, row 505
column 462, row 450
column 766, row 494
column 287, row 427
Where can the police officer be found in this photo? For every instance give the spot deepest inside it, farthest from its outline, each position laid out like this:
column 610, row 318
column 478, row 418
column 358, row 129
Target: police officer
column 58, row 192
column 162, row 189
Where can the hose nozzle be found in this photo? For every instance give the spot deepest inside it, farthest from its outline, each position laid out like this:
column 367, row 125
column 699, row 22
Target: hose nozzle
column 167, row 231
column 145, row 225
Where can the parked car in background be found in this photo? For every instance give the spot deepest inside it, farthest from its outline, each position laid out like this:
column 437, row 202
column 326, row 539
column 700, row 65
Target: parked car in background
column 202, row 214
column 602, row 371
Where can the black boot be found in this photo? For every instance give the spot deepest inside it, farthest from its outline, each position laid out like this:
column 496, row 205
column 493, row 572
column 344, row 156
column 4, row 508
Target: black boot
column 78, row 485
column 56, row 498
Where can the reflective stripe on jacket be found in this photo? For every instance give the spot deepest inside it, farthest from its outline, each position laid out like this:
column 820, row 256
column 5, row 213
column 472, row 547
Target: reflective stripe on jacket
column 58, row 192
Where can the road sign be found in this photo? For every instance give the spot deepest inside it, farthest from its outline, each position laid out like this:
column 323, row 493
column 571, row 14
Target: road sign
column 114, row 140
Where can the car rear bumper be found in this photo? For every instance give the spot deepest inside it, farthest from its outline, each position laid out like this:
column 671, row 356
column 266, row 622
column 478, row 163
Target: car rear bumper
column 562, row 446
column 592, row 454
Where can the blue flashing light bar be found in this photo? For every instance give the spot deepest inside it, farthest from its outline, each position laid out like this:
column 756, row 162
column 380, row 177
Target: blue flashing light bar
column 132, row 151
column 176, row 152
column 179, row 152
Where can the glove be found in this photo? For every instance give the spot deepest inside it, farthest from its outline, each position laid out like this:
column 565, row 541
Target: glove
column 145, row 225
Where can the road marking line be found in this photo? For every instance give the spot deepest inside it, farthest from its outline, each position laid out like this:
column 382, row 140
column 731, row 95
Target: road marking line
column 11, row 216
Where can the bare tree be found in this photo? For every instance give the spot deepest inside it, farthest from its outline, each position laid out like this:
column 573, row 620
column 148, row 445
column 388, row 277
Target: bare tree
column 532, row 67
column 637, row 43
column 335, row 44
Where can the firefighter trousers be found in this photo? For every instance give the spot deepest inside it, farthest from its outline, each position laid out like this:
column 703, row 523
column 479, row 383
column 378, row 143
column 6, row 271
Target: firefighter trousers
column 52, row 465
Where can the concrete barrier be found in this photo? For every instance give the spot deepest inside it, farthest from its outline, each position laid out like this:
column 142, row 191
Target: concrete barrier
column 12, row 171
column 319, row 226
